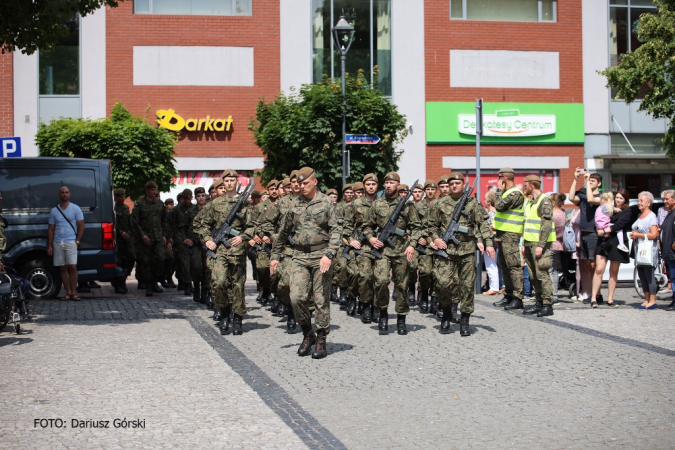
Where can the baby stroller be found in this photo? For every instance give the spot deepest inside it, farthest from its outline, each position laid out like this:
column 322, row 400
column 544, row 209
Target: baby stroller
column 13, row 305
column 567, row 278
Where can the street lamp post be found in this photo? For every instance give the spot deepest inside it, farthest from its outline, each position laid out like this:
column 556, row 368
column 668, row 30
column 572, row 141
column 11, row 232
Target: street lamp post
column 343, row 36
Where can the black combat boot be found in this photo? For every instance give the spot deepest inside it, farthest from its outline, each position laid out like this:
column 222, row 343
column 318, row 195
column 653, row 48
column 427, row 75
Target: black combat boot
column 291, row 324
column 343, row 296
column 218, row 315
column 400, row 325
column 411, row 293
column 424, row 302
column 419, row 296
column 210, row 304
column 383, row 324
column 308, row 340
column 196, row 297
column 117, row 284
column 123, row 288
column 225, row 317
column 170, row 284
column 259, row 297
column 464, row 329
column 359, row 308
column 282, row 310
column 433, row 305
column 532, row 309
column 343, row 300
column 546, row 310
column 351, row 307
column 516, row 303
column 367, row 315
column 455, row 316
column 265, row 297
column 320, row 348
column 162, row 282
column 505, row 300
column 446, row 320
column 181, row 285
column 275, row 305
column 236, row 325
column 188, row 288
column 155, row 287
column 334, row 294
column 204, row 295
column 376, row 315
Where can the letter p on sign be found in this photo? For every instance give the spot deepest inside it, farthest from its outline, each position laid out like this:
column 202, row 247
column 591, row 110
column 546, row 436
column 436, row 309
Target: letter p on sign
column 11, row 147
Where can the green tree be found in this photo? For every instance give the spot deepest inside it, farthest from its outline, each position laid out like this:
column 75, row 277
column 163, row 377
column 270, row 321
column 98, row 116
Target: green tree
column 138, row 151
column 305, row 129
column 28, row 25
column 652, row 64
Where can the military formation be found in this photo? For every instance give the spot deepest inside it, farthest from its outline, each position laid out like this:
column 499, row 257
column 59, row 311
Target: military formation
column 308, row 249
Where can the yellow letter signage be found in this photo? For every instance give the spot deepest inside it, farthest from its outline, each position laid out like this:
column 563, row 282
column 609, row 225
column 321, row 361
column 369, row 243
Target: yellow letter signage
column 167, row 118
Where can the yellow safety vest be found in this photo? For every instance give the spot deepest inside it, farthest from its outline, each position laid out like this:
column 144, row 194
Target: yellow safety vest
column 510, row 220
column 533, row 222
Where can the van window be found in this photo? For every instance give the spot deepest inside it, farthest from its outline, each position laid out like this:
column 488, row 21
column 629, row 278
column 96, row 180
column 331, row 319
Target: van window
column 39, row 188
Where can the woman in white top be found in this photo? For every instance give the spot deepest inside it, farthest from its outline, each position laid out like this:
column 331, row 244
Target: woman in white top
column 646, row 227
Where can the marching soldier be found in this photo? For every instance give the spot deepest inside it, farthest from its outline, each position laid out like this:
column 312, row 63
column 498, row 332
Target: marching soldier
column 229, row 270
column 340, row 269
column 455, row 276
column 421, row 263
column 125, row 250
column 508, row 222
column 403, row 190
column 149, row 223
column 170, row 261
column 394, row 259
column 432, row 306
column 262, row 264
column 198, row 269
column 333, row 196
column 538, row 234
column 179, row 227
column 317, row 239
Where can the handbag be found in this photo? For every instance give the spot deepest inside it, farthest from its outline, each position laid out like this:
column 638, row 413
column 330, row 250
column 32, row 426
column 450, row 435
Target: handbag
column 64, row 216
column 569, row 239
column 643, row 255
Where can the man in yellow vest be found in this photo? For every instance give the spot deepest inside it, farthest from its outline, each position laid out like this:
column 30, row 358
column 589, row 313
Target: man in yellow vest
column 509, row 226
column 538, row 234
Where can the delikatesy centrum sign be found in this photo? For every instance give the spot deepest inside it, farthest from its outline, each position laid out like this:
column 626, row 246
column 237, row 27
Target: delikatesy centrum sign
column 509, row 123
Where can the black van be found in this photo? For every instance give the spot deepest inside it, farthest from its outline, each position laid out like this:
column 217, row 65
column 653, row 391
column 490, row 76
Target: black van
column 30, row 189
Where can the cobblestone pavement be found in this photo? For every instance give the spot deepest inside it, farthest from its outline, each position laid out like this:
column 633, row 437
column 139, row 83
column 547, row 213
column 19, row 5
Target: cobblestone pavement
column 583, row 378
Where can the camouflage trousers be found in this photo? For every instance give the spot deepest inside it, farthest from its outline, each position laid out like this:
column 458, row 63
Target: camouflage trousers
column 341, row 270
column 539, row 276
column 398, row 266
column 126, row 256
column 170, row 265
column 183, row 263
column 283, row 277
column 199, row 269
column 151, row 260
column 309, row 285
column 455, row 278
column 362, row 284
column 262, row 267
column 227, row 282
column 509, row 264
column 420, row 269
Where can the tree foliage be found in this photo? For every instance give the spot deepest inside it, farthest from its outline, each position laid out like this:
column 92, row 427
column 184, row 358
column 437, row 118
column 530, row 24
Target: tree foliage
column 28, row 25
column 305, row 129
column 138, row 151
column 652, row 64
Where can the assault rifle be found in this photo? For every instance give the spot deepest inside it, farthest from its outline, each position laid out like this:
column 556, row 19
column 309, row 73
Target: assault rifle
column 357, row 236
column 454, row 227
column 291, row 241
column 222, row 234
column 390, row 228
column 256, row 248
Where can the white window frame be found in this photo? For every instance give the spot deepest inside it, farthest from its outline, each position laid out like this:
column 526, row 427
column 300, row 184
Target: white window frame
column 539, row 12
column 234, row 8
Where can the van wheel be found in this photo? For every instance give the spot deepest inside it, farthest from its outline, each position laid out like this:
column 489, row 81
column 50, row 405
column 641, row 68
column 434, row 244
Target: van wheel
column 44, row 279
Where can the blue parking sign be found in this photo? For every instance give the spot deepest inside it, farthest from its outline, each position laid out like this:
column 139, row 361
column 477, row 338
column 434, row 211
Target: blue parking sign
column 11, row 147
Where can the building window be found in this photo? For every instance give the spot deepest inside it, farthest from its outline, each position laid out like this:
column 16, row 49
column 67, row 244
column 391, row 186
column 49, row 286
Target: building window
column 194, row 7
column 372, row 40
column 504, row 10
column 60, row 66
column 645, row 144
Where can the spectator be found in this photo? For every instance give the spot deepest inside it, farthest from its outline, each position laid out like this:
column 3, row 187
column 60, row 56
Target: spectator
column 587, row 203
column 667, row 237
column 646, row 227
column 66, row 227
column 575, row 218
column 559, row 219
column 611, row 245
column 662, row 212
column 491, row 266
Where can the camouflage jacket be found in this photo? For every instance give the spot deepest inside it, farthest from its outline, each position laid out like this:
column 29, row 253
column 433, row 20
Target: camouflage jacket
column 270, row 224
column 263, row 209
column 440, row 216
column 193, row 216
column 355, row 216
column 213, row 216
column 149, row 218
column 316, row 222
column 186, row 217
column 408, row 221
column 122, row 221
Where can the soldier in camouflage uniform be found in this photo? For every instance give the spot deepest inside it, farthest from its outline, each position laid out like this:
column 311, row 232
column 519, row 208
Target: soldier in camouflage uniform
column 538, row 235
column 262, row 264
column 394, row 259
column 363, row 269
column 421, row 263
column 218, row 190
column 180, row 227
column 352, row 290
column 149, row 224
column 254, row 199
column 229, row 270
column 317, row 240
column 170, row 261
column 126, row 256
column 432, row 306
column 198, row 269
column 456, row 275
column 340, row 263
column 508, row 222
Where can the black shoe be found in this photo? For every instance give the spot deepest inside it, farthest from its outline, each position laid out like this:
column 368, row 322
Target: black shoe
column 433, row 305
column 309, row 339
column 376, row 315
column 142, row 285
column 117, row 284
column 282, row 310
column 275, row 306
column 123, row 286
column 419, row 296
column 343, row 302
column 600, row 299
column 367, row 315
column 320, row 347
column 148, row 292
column 464, row 329
column 532, row 309
column 196, row 294
column 359, row 308
column 455, row 316
column 259, row 297
column 424, row 302
column 671, row 307
column 204, row 297
column 155, row 288
column 291, row 324
column 546, row 310
column 218, row 315
column 93, row 285
column 236, row 325
column 411, row 294
column 180, row 286
column 170, row 284
column 446, row 320
column 334, row 293
column 516, row 303
column 82, row 288
column 383, row 324
column 351, row 307
column 505, row 300
column 225, row 317
column 164, row 284
column 209, row 302
column 343, row 296
column 400, row 325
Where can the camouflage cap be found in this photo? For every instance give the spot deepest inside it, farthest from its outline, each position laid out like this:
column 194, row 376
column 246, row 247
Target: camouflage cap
column 256, row 193
column 332, row 191
column 179, row 196
column 305, row 173
column 455, row 176
column 358, row 186
column 119, row 191
column 272, row 183
column 506, row 170
column 230, row 173
column 429, row 184
column 187, row 192
column 443, row 180
column 293, row 174
column 264, row 193
column 200, row 190
column 285, row 182
column 370, row 177
column 418, row 186
column 168, row 201
column 346, row 187
column 217, row 182
column 392, row 176
column 150, row 185
column 532, row 178
column 403, row 187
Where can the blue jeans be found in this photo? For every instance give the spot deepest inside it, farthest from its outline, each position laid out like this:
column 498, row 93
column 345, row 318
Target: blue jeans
column 671, row 269
column 526, row 279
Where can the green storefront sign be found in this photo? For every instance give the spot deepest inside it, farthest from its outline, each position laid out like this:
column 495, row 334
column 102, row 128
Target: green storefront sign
column 506, row 123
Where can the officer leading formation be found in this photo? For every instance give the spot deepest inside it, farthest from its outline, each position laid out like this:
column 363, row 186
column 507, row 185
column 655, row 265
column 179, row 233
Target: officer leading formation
column 308, row 248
